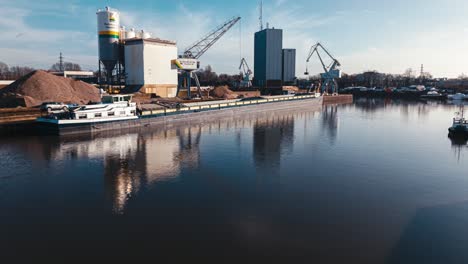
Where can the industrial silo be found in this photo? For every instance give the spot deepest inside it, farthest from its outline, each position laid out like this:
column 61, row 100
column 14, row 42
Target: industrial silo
column 131, row 34
column 108, row 32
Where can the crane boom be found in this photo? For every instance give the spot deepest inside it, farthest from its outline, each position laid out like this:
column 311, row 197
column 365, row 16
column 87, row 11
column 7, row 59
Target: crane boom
column 331, row 72
column 244, row 66
column 246, row 73
column 189, row 62
column 315, row 49
column 196, row 50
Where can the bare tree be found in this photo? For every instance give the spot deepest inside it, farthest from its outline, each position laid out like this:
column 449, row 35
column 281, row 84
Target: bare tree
column 67, row 66
column 408, row 73
column 207, row 76
column 4, row 70
column 463, row 77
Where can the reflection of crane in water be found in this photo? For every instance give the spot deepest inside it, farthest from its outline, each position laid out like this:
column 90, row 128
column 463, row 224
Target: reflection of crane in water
column 189, row 142
column 330, row 121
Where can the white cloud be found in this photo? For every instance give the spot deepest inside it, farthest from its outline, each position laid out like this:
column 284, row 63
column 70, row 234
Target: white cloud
column 443, row 52
column 442, row 49
column 23, row 44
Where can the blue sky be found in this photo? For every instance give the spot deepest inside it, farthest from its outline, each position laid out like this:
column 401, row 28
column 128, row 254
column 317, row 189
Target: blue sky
column 388, row 36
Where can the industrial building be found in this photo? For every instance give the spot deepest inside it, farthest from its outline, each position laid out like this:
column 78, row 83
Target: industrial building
column 268, row 66
column 148, row 66
column 273, row 65
column 289, row 66
column 135, row 59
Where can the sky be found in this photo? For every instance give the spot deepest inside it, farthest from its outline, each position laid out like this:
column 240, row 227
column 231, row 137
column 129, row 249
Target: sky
column 387, row 36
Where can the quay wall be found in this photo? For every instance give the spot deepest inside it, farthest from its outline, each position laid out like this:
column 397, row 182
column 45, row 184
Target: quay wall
column 338, row 99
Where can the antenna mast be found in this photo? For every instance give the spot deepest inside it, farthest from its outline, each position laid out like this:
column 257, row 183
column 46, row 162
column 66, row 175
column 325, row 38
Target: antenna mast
column 61, row 63
column 261, row 15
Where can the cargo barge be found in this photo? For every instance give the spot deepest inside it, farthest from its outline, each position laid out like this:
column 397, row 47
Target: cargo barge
column 78, row 123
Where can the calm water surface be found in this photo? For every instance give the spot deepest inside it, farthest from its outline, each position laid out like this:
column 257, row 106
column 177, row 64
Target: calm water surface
column 372, row 182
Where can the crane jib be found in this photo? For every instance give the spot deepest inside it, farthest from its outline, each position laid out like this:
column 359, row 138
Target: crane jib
column 199, row 48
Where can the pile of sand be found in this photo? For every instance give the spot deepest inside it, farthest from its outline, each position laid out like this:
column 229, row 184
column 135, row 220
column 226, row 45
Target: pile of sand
column 223, row 92
column 291, row 88
column 39, row 86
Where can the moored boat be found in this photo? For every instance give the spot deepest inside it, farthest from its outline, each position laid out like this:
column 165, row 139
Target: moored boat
column 433, row 95
column 459, row 127
column 458, row 96
column 113, row 108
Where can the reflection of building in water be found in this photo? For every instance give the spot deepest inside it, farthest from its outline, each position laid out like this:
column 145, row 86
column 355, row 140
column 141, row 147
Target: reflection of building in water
column 272, row 137
column 330, row 121
column 167, row 151
column 160, row 156
column 97, row 148
column 134, row 161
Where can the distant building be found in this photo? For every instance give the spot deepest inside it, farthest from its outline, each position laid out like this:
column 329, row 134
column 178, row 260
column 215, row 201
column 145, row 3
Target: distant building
column 289, row 66
column 4, row 83
column 85, row 76
column 268, row 62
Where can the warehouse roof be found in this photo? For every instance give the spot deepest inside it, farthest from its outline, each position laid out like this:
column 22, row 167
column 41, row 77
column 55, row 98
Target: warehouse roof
column 134, row 41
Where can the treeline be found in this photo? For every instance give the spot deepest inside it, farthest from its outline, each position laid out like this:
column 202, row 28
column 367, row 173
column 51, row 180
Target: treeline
column 377, row 79
column 208, row 77
column 13, row 73
column 16, row 72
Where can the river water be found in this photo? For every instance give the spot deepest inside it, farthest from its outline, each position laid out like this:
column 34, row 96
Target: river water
column 377, row 181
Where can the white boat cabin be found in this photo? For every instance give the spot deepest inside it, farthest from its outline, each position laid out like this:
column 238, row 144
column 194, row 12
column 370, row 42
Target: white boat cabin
column 112, row 106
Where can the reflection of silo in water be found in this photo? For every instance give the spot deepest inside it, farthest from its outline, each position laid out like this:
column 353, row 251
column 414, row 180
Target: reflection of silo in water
column 272, row 137
column 124, row 170
column 108, row 31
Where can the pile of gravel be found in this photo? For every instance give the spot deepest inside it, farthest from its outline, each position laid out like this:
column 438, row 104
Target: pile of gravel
column 40, row 86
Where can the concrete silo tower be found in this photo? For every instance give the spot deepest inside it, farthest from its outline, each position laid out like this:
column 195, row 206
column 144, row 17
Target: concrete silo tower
column 108, row 35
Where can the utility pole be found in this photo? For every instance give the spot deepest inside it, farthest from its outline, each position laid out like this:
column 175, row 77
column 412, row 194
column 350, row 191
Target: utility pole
column 61, row 62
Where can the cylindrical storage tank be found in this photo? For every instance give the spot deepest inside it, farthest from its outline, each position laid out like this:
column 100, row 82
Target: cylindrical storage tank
column 109, row 33
column 145, row 35
column 138, row 34
column 123, row 33
column 131, row 34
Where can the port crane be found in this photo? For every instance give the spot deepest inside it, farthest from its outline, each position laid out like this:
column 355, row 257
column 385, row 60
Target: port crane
column 332, row 71
column 246, row 74
column 188, row 62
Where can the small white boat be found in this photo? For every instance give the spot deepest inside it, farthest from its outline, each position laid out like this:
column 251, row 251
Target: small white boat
column 113, row 108
column 458, row 96
column 433, row 95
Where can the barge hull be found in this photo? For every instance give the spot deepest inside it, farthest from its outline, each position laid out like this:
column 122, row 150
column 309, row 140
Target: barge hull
column 175, row 119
